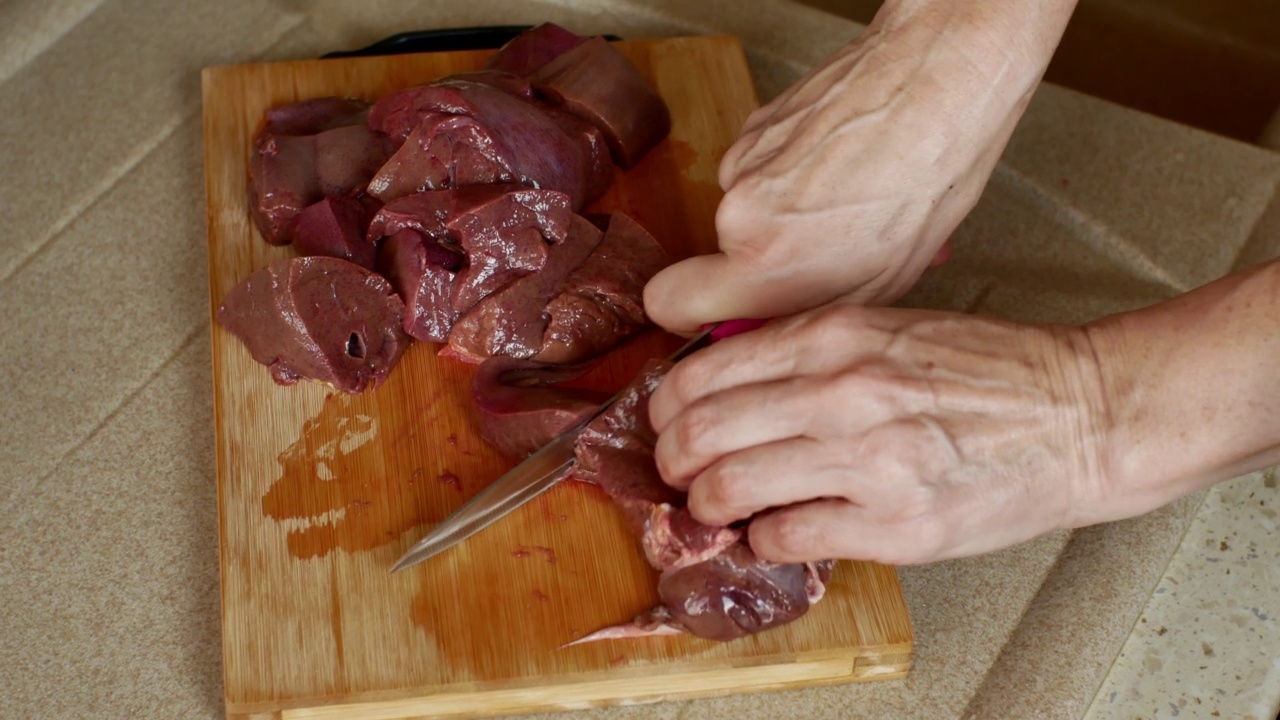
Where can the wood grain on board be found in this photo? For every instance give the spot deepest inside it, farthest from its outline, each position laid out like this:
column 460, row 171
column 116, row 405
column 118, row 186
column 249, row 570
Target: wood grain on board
column 320, row 492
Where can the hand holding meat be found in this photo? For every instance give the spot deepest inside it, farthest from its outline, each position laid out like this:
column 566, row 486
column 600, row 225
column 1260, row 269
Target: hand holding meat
column 908, row 436
column 889, row 435
column 850, row 182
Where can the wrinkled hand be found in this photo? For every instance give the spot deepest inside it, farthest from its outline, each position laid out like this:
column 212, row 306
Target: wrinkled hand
column 897, row 436
column 850, row 182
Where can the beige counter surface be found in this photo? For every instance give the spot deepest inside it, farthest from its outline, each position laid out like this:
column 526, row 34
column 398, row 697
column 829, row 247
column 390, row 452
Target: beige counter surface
column 108, row 544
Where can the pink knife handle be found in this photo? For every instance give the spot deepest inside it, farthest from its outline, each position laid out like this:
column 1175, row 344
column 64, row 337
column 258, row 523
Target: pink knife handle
column 729, row 328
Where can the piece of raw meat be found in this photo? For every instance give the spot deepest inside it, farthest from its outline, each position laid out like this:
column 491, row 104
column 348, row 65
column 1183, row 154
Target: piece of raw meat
column 601, row 302
column 596, row 82
column 308, row 117
column 334, row 227
column 710, row 584
column 503, row 230
column 457, row 133
column 511, row 321
column 517, row 409
column 422, row 271
column 289, row 172
column 318, row 318
column 534, row 48
column 516, row 85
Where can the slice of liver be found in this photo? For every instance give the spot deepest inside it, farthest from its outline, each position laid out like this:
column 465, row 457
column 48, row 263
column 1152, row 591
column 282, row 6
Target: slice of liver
column 457, row 133
column 534, row 48
column 596, row 82
column 318, row 318
column 334, row 227
column 308, row 117
column 504, row 231
column 518, row 409
column 422, row 271
column 291, row 172
column 601, row 302
column 511, row 322
column 711, row 583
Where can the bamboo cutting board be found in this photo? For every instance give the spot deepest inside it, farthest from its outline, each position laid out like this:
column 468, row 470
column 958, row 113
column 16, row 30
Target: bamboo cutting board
column 319, row 492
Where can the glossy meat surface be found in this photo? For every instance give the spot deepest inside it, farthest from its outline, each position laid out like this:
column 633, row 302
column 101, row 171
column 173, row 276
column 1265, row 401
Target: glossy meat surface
column 318, row 318
column 333, row 227
column 534, row 48
column 460, row 132
column 512, row 320
column 517, row 408
column 596, row 82
column 308, row 151
column 601, row 302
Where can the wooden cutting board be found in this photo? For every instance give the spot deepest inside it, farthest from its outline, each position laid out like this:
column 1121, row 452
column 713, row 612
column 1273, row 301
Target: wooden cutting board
column 319, row 492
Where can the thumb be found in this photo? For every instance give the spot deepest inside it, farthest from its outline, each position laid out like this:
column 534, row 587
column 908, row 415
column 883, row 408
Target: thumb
column 710, row 288
column 691, row 293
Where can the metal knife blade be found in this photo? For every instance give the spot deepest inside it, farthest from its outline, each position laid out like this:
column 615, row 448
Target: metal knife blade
column 526, row 481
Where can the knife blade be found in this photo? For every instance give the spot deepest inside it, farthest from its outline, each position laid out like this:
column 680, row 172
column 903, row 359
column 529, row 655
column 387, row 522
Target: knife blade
column 535, row 475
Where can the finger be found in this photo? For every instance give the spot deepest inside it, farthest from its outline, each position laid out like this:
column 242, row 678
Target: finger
column 709, row 288
column 689, row 294
column 778, row 474
column 832, row 528
column 736, row 419
column 834, row 341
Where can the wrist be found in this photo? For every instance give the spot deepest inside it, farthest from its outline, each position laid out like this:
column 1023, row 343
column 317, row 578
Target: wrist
column 1192, row 391
column 1011, row 40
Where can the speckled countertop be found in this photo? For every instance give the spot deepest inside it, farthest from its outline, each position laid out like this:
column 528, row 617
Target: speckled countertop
column 108, row 562
column 1208, row 642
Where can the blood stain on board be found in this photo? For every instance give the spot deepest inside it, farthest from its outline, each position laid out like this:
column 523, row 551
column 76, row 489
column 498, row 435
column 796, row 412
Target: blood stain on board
column 526, row 551
column 341, row 485
column 448, row 478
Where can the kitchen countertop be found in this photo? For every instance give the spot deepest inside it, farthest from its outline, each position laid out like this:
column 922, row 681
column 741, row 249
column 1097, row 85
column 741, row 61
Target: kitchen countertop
column 108, row 558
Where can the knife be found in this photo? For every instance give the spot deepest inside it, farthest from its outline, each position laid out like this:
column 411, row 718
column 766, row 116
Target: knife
column 535, row 475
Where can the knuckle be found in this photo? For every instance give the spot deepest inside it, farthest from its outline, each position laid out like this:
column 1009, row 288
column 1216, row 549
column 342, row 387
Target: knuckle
column 791, row 536
column 743, row 227
column 891, row 451
column 736, row 213
column 854, row 387
column 835, row 325
column 688, row 380
column 713, row 497
column 697, row 428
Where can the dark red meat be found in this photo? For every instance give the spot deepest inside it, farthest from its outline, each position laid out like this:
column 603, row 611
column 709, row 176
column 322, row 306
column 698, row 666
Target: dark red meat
column 512, row 320
column 289, row 172
column 734, row 594
column 309, row 117
column 334, row 227
column 422, row 271
column 460, row 133
column 518, row 411
column 504, row 231
column 516, row 85
column 595, row 149
column 318, row 318
column 602, row 300
column 596, row 82
column 533, row 48
column 711, row 583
